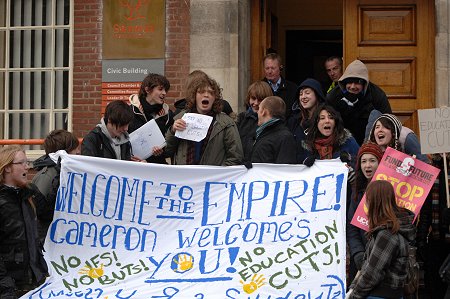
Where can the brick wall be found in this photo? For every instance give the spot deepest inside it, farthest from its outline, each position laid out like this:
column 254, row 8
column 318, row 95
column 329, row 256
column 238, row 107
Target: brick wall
column 87, row 74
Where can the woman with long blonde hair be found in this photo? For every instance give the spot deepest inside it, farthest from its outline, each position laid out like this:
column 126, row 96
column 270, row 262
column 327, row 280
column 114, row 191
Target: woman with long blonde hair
column 22, row 266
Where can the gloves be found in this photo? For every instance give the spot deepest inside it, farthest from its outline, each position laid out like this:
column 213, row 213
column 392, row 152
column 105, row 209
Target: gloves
column 309, row 161
column 345, row 157
column 359, row 260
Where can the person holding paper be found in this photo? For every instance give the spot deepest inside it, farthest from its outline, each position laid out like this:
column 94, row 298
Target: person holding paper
column 369, row 156
column 149, row 104
column 274, row 143
column 221, row 146
column 433, row 234
column 110, row 138
column 383, row 272
column 22, row 265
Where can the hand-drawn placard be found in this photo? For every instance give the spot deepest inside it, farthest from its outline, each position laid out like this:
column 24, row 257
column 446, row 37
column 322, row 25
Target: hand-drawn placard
column 135, row 230
column 434, row 128
column 145, row 138
column 196, row 127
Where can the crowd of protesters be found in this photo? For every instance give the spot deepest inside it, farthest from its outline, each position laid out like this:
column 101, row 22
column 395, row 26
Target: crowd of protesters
column 283, row 124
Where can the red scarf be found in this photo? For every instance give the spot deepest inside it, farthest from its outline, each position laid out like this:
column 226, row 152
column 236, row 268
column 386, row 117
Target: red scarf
column 324, row 147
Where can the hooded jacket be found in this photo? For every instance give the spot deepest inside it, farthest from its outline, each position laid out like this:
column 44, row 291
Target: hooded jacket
column 97, row 143
column 163, row 117
column 47, row 181
column 224, row 145
column 383, row 273
column 295, row 123
column 355, row 109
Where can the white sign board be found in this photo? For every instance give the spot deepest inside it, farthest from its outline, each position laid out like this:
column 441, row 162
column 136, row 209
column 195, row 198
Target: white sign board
column 197, row 126
column 434, row 127
column 145, row 138
column 135, row 230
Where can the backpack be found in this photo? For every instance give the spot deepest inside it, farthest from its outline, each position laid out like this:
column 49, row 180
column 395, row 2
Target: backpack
column 411, row 285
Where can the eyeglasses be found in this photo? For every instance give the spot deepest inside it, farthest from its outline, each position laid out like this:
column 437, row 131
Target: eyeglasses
column 24, row 163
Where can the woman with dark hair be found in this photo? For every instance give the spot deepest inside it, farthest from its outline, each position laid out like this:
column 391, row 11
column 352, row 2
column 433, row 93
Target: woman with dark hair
column 387, row 130
column 368, row 159
column 328, row 139
column 247, row 121
column 221, row 146
column 22, row 265
column 383, row 273
column 308, row 97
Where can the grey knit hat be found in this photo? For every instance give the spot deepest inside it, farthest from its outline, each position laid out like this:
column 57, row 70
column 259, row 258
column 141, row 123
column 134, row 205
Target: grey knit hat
column 396, row 123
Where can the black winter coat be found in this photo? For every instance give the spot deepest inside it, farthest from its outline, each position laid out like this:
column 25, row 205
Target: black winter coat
column 21, row 260
column 355, row 118
column 96, row 144
column 294, row 125
column 286, row 91
column 247, row 122
column 275, row 145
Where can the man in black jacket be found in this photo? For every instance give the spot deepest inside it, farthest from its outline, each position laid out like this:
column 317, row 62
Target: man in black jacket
column 355, row 97
column 274, row 142
column 280, row 86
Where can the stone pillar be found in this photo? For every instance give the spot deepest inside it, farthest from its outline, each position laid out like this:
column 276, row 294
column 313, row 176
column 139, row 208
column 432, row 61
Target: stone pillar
column 442, row 53
column 219, row 44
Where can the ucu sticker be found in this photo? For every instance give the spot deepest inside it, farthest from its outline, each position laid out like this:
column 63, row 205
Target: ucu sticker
column 362, row 220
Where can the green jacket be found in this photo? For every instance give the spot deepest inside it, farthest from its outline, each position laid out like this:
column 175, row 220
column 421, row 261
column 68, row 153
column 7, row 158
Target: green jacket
column 224, row 147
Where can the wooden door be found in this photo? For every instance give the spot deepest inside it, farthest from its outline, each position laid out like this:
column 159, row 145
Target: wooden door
column 262, row 12
column 395, row 39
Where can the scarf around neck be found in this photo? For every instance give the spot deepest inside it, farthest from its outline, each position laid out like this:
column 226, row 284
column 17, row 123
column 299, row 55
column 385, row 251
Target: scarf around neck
column 324, row 147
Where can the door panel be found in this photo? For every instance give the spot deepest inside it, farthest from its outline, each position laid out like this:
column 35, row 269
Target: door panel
column 395, row 39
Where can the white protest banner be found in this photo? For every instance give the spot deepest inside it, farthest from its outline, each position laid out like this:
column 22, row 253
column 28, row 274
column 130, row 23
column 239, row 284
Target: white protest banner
column 145, row 138
column 135, row 230
column 434, row 128
column 196, row 126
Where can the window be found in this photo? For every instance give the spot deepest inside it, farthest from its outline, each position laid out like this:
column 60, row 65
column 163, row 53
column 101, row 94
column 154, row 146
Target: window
column 35, row 68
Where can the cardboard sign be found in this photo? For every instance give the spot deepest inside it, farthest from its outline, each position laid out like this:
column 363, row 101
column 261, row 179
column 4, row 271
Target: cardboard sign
column 412, row 180
column 434, row 128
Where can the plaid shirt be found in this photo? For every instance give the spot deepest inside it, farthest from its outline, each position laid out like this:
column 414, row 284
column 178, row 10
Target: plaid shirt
column 384, row 270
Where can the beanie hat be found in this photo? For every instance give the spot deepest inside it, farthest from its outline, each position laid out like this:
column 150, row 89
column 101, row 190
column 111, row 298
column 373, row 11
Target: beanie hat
column 314, row 85
column 369, row 148
column 396, row 123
